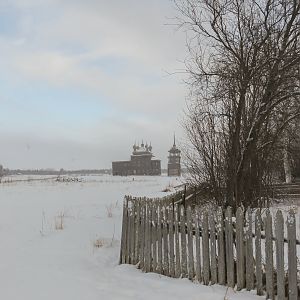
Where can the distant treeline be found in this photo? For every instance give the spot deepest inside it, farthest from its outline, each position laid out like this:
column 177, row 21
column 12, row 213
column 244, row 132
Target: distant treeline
column 55, row 172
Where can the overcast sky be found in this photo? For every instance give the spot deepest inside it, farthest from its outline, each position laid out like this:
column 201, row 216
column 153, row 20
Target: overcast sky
column 82, row 80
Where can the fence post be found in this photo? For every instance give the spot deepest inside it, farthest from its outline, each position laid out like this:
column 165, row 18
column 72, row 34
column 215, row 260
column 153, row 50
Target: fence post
column 269, row 256
column 213, row 257
column 292, row 256
column 221, row 248
column 205, row 248
column 249, row 252
column 279, row 227
column 258, row 264
column 240, row 253
column 183, row 197
column 198, row 254
column 229, row 247
column 190, row 243
column 183, row 243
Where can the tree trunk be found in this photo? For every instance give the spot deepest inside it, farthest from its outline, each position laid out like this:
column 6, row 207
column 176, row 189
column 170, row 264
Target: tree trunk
column 287, row 165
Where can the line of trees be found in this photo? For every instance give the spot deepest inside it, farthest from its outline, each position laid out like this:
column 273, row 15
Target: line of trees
column 243, row 114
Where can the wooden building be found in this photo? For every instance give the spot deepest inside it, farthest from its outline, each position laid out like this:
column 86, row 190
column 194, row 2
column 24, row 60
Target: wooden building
column 142, row 162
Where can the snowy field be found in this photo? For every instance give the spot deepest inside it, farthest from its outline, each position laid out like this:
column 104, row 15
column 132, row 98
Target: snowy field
column 59, row 241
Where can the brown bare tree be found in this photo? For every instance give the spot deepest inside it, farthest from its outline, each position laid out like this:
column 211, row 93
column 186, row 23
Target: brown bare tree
column 244, row 80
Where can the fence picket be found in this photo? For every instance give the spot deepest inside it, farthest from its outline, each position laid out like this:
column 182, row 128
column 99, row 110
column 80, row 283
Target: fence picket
column 147, row 235
column 279, row 233
column 159, row 239
column 198, row 254
column 166, row 242
column 249, row 252
column 150, row 240
column 190, row 243
column 177, row 249
column 171, row 241
column 221, row 247
column 213, row 255
column 124, row 233
column 154, row 237
column 258, row 259
column 229, row 247
column 292, row 256
column 128, row 235
column 137, row 233
column 133, row 234
column 142, row 237
column 183, row 243
column 205, row 248
column 240, row 253
column 269, row 256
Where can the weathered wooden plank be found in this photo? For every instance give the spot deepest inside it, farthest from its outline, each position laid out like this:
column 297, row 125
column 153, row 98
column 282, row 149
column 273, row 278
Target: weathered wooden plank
column 143, row 235
column 124, row 232
column 171, row 241
column 183, row 243
column 198, row 253
column 133, row 232
column 166, row 243
column 154, row 236
column 258, row 258
column 191, row 270
column 205, row 249
column 159, row 240
column 221, row 247
column 213, row 254
column 269, row 256
column 229, row 248
column 177, row 243
column 240, row 251
column 279, row 233
column 148, row 238
column 292, row 255
column 128, row 235
column 249, row 252
column 131, row 237
column 138, row 229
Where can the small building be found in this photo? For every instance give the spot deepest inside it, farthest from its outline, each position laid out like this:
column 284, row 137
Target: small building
column 142, row 162
column 174, row 168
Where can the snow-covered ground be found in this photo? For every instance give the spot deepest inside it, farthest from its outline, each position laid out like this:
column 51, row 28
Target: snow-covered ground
column 39, row 261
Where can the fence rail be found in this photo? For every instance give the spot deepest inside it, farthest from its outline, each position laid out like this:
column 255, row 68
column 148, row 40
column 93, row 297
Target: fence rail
column 246, row 250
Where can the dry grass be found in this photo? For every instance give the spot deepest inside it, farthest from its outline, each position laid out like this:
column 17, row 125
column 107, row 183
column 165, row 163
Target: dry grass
column 98, row 243
column 109, row 210
column 60, row 221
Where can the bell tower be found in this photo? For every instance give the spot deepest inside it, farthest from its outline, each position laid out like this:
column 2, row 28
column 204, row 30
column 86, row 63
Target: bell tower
column 174, row 168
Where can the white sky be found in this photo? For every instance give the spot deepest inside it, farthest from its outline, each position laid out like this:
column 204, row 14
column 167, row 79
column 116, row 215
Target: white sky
column 81, row 81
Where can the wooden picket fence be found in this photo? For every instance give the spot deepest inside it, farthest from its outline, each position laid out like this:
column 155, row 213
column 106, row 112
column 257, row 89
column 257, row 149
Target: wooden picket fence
column 245, row 251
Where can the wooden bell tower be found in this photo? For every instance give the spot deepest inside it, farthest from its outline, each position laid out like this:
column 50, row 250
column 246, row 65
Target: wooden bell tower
column 174, row 168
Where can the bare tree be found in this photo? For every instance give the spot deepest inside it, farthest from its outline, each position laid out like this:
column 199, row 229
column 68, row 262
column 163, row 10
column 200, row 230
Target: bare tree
column 244, row 79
